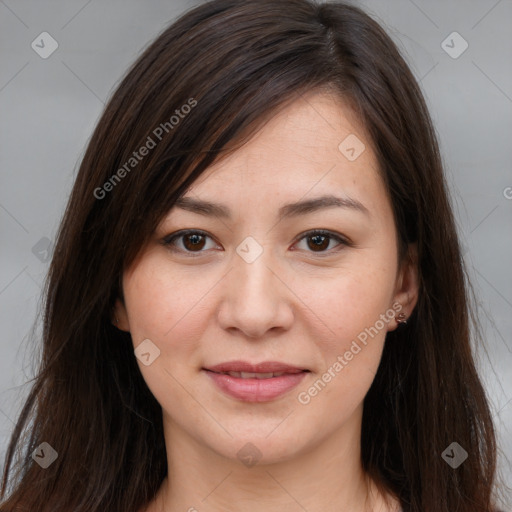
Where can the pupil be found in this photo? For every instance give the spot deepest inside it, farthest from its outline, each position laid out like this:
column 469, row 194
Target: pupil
column 194, row 239
column 322, row 245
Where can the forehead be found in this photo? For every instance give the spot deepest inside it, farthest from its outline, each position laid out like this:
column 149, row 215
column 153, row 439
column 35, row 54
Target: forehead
column 314, row 146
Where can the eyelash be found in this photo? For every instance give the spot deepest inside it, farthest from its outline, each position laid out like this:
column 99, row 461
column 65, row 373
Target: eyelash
column 168, row 241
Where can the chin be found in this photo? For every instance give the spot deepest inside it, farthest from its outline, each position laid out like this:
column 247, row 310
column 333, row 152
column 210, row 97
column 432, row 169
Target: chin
column 252, row 447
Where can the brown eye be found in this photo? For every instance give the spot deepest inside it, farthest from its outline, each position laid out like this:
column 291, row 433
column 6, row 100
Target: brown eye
column 192, row 241
column 318, row 241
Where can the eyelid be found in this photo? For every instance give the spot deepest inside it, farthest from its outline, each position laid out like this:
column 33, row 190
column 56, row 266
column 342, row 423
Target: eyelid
column 168, row 240
column 341, row 239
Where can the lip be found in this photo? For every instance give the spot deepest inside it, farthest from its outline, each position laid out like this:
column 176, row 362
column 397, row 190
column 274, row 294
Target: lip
column 264, row 367
column 255, row 389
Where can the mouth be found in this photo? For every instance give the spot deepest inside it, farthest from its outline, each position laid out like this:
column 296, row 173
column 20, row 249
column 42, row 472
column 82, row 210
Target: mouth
column 260, row 382
column 255, row 375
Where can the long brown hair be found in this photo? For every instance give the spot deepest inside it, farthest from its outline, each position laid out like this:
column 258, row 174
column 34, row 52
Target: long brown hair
column 216, row 73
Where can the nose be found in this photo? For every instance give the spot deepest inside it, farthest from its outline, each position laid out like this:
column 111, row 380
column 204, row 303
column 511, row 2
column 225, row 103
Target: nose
column 256, row 298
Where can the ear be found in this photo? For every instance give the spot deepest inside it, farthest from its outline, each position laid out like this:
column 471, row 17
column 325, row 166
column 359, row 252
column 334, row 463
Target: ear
column 120, row 314
column 406, row 289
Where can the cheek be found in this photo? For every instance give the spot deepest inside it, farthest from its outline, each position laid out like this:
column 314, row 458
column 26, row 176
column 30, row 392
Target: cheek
column 165, row 307
column 352, row 338
column 351, row 301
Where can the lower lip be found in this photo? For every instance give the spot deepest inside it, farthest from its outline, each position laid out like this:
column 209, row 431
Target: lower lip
column 256, row 390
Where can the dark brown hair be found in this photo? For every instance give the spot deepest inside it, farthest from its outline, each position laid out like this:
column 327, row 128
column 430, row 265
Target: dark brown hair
column 235, row 63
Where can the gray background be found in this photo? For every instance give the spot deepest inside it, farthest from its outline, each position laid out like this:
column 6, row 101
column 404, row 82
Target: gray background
column 49, row 108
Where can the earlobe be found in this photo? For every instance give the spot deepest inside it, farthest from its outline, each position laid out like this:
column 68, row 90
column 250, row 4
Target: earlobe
column 407, row 289
column 120, row 316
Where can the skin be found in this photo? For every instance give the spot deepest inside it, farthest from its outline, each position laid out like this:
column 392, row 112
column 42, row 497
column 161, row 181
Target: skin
column 295, row 303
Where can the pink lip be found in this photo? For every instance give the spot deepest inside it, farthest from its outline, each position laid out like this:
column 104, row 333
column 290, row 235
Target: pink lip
column 255, row 390
column 265, row 367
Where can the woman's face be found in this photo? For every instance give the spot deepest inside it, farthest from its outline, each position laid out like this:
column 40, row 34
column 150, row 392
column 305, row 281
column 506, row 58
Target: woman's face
column 255, row 285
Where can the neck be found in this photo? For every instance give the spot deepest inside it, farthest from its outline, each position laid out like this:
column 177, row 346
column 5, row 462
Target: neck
column 325, row 477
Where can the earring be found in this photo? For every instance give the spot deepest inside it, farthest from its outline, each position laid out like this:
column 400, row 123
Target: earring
column 401, row 319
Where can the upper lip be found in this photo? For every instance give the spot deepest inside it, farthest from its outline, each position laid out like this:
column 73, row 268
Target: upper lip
column 264, row 367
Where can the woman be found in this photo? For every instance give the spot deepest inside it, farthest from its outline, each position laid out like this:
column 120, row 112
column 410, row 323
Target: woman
column 257, row 298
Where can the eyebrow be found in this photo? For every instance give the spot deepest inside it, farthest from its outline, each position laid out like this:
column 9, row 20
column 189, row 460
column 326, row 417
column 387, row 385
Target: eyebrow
column 303, row 207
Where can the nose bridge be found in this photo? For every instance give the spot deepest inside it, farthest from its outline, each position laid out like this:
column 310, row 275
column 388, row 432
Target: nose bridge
column 252, row 273
column 253, row 302
column 252, row 265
